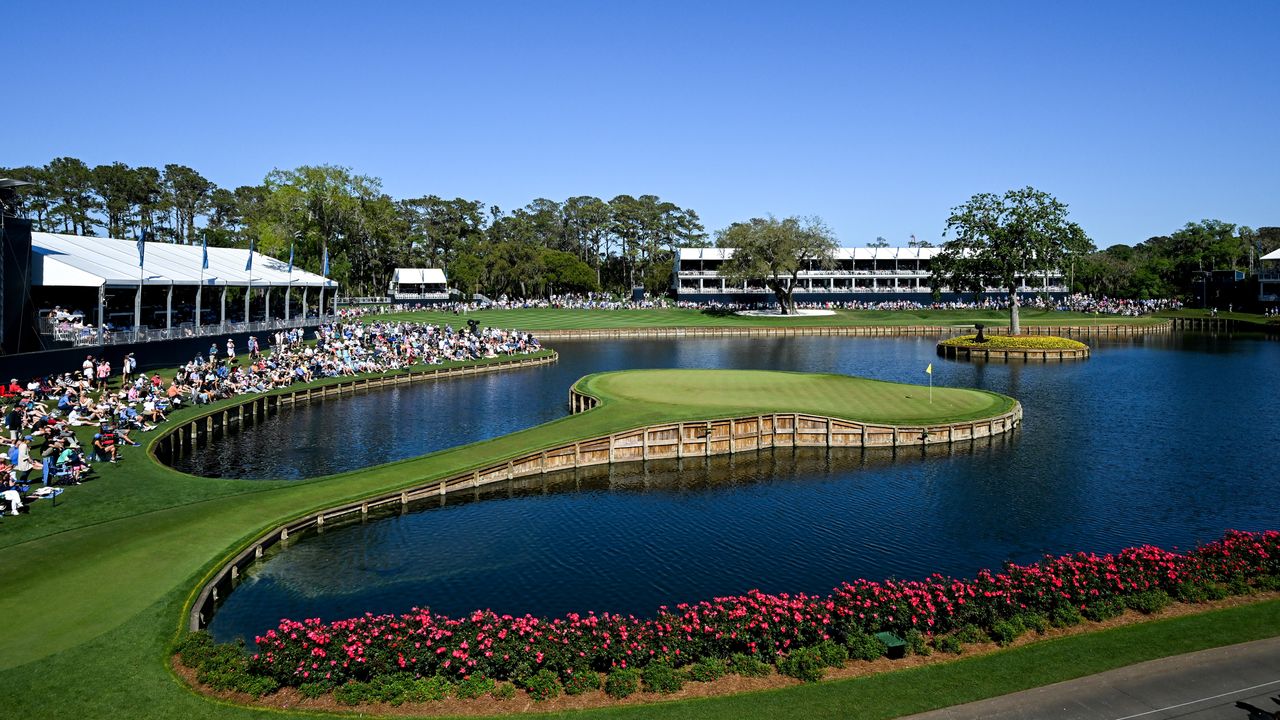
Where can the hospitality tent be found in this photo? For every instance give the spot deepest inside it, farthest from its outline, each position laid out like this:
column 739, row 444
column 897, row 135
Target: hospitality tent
column 418, row 284
column 74, row 261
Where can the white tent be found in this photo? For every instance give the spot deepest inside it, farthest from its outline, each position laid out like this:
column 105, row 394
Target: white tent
column 92, row 262
column 1273, row 255
column 77, row 261
column 418, row 276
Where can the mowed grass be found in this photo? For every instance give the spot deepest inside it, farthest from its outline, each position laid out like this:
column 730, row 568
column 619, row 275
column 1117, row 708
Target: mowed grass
column 728, row 392
column 563, row 319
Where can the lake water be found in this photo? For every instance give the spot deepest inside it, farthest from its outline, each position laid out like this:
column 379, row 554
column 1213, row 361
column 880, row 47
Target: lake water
column 1164, row 439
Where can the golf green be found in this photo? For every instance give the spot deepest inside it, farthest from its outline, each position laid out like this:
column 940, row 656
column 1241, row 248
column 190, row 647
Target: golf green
column 727, row 392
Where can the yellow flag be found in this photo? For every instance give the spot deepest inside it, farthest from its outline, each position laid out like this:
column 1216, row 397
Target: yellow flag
column 929, row 369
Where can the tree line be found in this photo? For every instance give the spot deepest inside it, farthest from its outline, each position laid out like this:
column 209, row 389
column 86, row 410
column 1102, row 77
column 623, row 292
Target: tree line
column 581, row 244
column 1166, row 266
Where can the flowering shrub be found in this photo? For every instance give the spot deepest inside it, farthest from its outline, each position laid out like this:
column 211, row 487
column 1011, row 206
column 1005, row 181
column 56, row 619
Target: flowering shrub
column 1015, row 342
column 768, row 627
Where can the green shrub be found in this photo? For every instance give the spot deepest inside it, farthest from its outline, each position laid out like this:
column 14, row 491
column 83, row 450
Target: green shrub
column 1004, row 632
column 804, row 664
column 256, row 685
column 428, row 690
column 542, row 685
column 1103, row 609
column 314, row 690
column 917, row 643
column 352, row 693
column 504, row 691
column 478, row 685
column 1034, row 621
column 949, row 644
column 662, row 678
column 1267, row 583
column 1065, row 616
column 1149, row 601
column 748, row 665
column 391, row 688
column 970, row 634
column 1216, row 591
column 865, row 647
column 1239, row 585
column 832, row 654
column 707, row 670
column 622, row 682
column 585, row 680
column 194, row 648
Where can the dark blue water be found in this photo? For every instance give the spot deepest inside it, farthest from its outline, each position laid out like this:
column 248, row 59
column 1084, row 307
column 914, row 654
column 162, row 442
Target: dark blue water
column 1166, row 440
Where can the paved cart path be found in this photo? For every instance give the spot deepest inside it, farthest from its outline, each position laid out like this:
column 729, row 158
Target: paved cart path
column 1196, row 686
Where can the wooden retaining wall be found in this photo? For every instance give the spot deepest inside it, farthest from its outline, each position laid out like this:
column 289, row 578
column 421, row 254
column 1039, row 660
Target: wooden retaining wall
column 691, row 439
column 200, row 430
column 1112, row 330
column 1213, row 324
column 952, row 352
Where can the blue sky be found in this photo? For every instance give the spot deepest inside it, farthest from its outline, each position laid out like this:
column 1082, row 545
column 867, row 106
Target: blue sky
column 876, row 117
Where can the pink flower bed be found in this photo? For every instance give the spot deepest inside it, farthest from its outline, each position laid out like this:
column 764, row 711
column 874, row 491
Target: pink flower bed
column 506, row 647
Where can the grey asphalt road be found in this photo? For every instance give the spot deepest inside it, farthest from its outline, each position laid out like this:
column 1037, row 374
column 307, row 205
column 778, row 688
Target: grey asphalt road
column 1205, row 685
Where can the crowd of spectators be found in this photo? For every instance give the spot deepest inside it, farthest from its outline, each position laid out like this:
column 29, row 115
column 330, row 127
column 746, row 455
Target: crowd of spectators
column 40, row 417
column 1078, row 302
column 1075, row 303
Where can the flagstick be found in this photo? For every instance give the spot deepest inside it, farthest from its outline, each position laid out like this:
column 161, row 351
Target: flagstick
column 930, row 388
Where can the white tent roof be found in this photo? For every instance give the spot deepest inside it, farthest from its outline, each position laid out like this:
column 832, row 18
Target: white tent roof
column 1273, row 255
column 75, row 260
column 862, row 253
column 419, row 276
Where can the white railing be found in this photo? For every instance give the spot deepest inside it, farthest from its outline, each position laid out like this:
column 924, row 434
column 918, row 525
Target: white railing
column 371, row 300
column 85, row 337
column 401, row 297
column 863, row 289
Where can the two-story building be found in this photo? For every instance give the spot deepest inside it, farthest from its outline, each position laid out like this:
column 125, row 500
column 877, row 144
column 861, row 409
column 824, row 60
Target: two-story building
column 1269, row 279
column 858, row 274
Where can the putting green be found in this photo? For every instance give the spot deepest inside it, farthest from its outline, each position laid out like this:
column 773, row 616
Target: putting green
column 728, row 392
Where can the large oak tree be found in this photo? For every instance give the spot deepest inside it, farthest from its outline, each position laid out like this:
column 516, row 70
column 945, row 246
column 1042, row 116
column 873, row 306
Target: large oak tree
column 775, row 251
column 1003, row 240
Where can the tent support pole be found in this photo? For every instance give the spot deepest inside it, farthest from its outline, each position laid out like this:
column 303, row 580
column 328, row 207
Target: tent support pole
column 102, row 311
column 223, row 322
column 168, row 310
column 199, row 292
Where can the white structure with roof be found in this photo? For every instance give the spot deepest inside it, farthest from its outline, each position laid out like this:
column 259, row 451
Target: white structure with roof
column 855, row 270
column 418, row 284
column 73, row 261
column 1269, row 278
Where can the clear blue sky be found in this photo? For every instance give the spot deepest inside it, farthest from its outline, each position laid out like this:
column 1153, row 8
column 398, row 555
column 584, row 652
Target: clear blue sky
column 878, row 118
